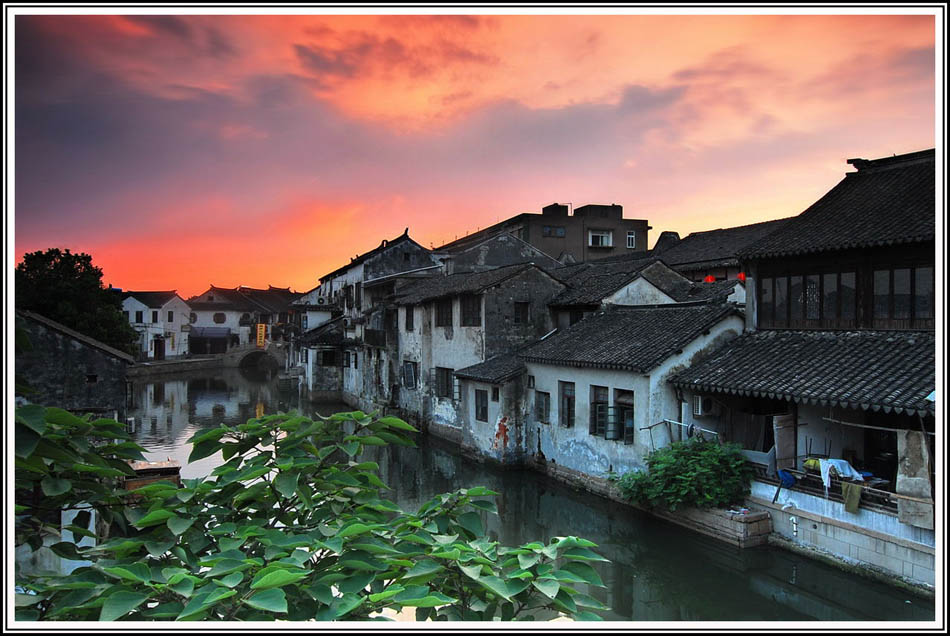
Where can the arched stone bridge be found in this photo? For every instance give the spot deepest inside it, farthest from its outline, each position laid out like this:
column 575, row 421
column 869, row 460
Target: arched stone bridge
column 273, row 354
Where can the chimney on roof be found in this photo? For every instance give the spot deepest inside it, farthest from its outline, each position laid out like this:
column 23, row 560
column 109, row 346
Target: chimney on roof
column 859, row 163
column 555, row 209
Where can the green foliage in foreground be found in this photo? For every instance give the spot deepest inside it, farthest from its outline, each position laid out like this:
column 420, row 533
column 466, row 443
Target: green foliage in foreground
column 292, row 526
column 695, row 473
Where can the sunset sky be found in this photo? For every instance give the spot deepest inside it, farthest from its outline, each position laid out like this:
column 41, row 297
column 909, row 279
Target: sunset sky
column 188, row 150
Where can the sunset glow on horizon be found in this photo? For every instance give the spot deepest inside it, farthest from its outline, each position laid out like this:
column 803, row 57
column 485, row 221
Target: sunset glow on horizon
column 182, row 151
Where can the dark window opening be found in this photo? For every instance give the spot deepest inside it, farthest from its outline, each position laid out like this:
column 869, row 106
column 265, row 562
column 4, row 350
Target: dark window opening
column 91, row 378
column 471, row 311
column 410, row 371
column 171, row 316
column 139, row 316
column 598, row 410
column 410, row 317
column 219, row 318
column 154, row 316
column 494, row 394
column 522, row 313
column 443, row 313
column 328, row 358
column 481, row 405
column 566, row 404
column 443, row 382
column 542, row 407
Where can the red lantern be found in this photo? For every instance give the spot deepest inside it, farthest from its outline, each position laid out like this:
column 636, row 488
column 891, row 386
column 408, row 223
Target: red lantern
column 741, row 276
column 709, row 279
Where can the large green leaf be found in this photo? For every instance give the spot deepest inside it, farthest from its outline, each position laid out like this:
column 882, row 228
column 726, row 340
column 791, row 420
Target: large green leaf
column 547, row 587
column 272, row 600
column 120, row 603
column 138, row 572
column 26, row 440
column 472, row 522
column 154, row 518
column 286, row 483
column 584, row 571
column 53, row 487
column 34, row 416
column 178, row 525
column 278, row 578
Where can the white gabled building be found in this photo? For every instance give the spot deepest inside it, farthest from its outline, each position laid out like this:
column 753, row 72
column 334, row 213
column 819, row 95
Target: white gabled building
column 597, row 392
column 161, row 319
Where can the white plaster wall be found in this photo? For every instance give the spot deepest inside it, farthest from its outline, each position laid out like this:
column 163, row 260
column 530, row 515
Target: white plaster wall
column 482, row 435
column 654, row 401
column 181, row 314
column 639, row 292
column 205, row 318
column 146, row 329
column 339, row 283
column 411, row 347
column 576, row 448
column 454, row 347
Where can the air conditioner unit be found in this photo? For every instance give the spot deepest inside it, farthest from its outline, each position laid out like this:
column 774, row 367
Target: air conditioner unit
column 704, row 405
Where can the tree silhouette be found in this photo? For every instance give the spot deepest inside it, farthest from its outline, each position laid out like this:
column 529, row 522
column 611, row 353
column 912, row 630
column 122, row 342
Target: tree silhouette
column 67, row 288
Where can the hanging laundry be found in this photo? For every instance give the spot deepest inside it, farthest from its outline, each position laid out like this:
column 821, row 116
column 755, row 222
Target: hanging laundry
column 851, row 492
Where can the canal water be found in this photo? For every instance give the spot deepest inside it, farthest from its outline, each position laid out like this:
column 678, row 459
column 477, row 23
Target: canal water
column 657, row 571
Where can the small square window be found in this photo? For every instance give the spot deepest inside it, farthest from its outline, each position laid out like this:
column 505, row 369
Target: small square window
column 631, row 240
column 91, row 378
column 494, row 394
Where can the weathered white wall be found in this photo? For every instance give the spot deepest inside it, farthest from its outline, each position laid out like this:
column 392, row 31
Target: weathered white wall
column 501, row 437
column 654, row 401
column 575, row 448
column 638, row 292
column 412, row 348
column 205, row 318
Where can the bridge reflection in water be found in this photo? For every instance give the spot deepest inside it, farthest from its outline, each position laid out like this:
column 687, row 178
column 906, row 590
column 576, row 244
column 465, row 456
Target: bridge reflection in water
column 657, row 571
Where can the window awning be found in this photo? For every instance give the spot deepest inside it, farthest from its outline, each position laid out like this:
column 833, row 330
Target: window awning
column 210, row 332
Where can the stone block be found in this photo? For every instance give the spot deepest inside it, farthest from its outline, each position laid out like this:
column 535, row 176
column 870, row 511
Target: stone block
column 923, row 574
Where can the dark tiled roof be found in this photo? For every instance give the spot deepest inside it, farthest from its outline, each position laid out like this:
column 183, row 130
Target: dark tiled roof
column 717, row 248
column 886, row 202
column 272, row 300
column 495, row 370
column 590, row 282
column 329, row 333
column 72, row 333
column 715, row 291
column 875, row 370
column 246, row 299
column 437, row 286
column 226, row 299
column 632, row 338
column 480, row 235
column 151, row 299
column 384, row 244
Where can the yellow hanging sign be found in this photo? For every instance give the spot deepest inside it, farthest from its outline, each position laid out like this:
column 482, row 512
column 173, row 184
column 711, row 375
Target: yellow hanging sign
column 259, row 410
column 261, row 333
